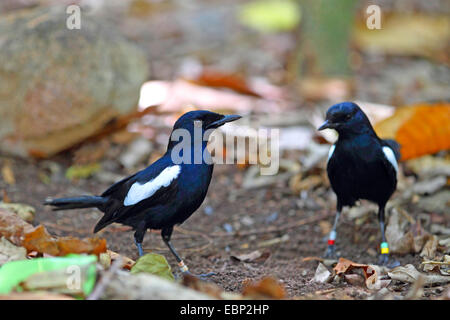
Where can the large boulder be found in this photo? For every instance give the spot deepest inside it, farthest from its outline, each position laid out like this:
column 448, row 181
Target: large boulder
column 59, row 86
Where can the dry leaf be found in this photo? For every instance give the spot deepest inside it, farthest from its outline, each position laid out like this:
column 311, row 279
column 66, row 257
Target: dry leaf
column 40, row 240
column 322, row 274
column 429, row 249
column 266, row 288
column 10, row 252
column 405, row 235
column 24, row 211
column 12, row 227
column 215, row 78
column 419, row 129
column 410, row 274
column 254, row 256
column 371, row 273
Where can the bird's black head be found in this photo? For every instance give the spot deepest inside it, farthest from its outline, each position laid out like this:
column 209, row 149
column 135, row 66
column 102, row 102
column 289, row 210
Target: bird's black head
column 204, row 119
column 188, row 125
column 346, row 118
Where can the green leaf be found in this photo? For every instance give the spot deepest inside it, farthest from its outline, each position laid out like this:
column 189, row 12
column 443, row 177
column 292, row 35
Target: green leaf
column 270, row 15
column 155, row 264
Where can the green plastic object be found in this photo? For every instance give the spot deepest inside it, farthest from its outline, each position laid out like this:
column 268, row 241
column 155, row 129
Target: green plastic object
column 14, row 272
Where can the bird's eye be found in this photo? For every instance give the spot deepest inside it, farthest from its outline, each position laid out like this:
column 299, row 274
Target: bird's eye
column 348, row 117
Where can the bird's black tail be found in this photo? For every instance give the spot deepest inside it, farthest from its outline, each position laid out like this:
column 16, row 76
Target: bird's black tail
column 76, row 202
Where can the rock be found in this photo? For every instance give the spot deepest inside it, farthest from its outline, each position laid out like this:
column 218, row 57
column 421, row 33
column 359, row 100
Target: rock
column 60, row 86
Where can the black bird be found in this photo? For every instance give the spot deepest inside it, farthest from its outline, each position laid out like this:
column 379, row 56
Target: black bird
column 168, row 191
column 360, row 166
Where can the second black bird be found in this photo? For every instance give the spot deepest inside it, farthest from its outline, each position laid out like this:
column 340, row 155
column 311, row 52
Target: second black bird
column 360, row 166
column 164, row 194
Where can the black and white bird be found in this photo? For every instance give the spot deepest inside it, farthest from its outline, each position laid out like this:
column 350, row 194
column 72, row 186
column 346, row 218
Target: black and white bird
column 360, row 166
column 167, row 192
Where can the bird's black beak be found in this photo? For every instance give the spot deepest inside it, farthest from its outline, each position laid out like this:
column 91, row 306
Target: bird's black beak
column 326, row 125
column 225, row 119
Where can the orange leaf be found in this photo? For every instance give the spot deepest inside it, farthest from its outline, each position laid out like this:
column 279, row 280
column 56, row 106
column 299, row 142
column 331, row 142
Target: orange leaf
column 41, row 241
column 419, row 129
column 215, row 78
column 345, row 265
column 266, row 288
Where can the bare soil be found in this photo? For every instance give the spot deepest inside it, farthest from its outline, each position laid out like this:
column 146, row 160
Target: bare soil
column 205, row 243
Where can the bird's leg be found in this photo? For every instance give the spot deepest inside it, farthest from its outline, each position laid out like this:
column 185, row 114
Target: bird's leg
column 384, row 257
column 384, row 247
column 331, row 248
column 139, row 237
column 166, row 233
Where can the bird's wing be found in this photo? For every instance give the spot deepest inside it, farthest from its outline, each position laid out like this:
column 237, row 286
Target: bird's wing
column 152, row 186
column 148, row 184
column 394, row 146
column 391, row 150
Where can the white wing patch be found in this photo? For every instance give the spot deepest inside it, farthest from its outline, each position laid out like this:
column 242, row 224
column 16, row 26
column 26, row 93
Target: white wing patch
column 139, row 192
column 330, row 153
column 390, row 156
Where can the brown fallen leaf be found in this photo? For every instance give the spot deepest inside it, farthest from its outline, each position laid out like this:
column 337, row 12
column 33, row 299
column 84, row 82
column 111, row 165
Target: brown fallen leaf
column 405, row 235
column 371, row 273
column 266, row 288
column 40, row 240
column 202, row 286
column 430, row 247
column 219, row 79
column 254, row 256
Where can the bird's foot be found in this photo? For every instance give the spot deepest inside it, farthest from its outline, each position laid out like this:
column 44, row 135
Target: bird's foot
column 384, row 260
column 330, row 253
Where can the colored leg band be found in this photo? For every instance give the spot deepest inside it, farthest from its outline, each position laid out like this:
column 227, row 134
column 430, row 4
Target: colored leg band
column 384, row 248
column 182, row 266
column 330, row 242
